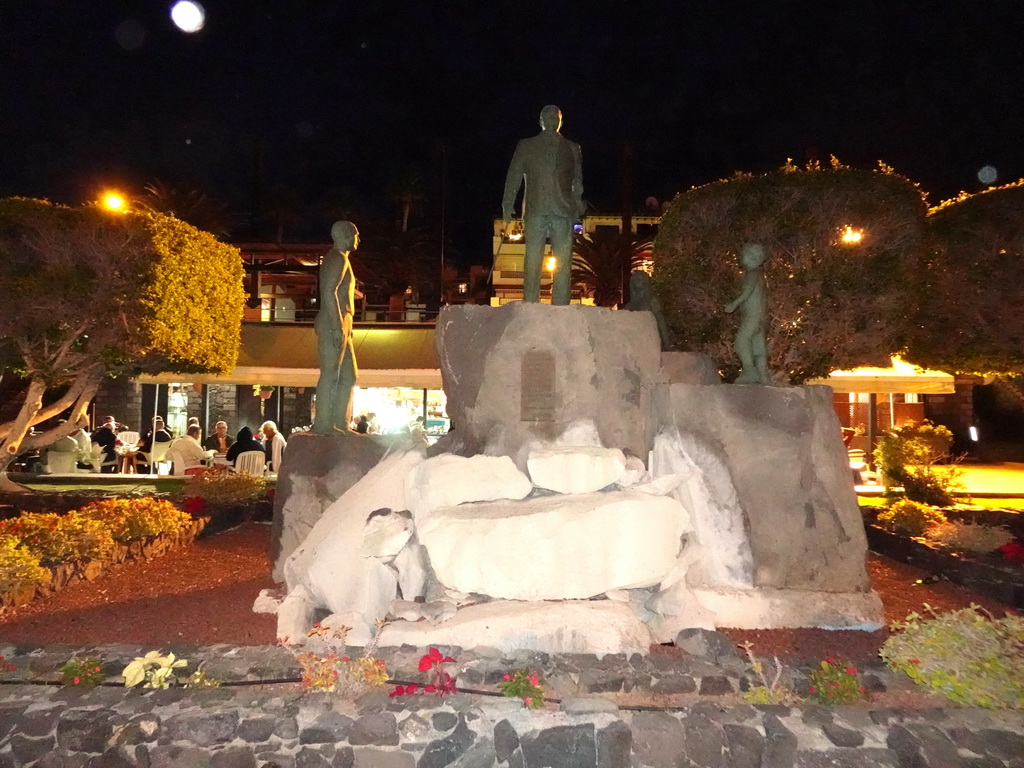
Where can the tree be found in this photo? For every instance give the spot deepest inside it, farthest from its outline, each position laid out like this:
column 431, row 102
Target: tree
column 969, row 317
column 835, row 301
column 603, row 259
column 188, row 204
column 93, row 294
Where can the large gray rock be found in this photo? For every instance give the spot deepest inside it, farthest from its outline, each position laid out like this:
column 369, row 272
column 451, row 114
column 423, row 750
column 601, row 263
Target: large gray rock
column 522, row 373
column 788, row 478
column 319, row 469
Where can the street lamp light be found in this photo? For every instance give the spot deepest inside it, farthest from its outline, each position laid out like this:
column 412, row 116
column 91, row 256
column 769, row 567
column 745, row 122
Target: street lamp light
column 114, row 201
column 852, row 236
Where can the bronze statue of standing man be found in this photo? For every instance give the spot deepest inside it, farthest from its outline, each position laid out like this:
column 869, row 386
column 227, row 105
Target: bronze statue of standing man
column 551, row 168
column 334, row 332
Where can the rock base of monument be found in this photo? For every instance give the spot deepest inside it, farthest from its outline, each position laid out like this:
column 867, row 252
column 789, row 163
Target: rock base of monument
column 785, row 608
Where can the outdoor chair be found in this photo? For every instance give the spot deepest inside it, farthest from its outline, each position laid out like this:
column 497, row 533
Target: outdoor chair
column 251, row 463
column 128, row 437
column 61, row 463
column 153, row 459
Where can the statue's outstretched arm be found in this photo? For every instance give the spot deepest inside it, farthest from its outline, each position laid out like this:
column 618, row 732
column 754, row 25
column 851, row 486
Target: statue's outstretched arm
column 513, row 181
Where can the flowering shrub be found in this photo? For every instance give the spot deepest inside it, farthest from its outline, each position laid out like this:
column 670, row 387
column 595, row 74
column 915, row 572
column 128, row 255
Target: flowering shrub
column 966, row 655
column 19, row 567
column 5, row 666
column 524, row 685
column 767, row 693
column 194, row 505
column 835, row 682
column 225, row 488
column 1014, row 552
column 141, row 518
column 443, row 684
column 60, row 538
column 969, row 537
column 910, row 517
column 335, row 672
column 85, row 672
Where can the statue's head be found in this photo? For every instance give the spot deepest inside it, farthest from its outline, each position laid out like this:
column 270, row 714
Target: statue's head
column 639, row 284
column 345, row 236
column 752, row 255
column 551, row 118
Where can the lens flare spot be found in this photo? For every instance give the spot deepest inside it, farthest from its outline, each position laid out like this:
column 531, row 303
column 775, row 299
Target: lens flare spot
column 188, row 16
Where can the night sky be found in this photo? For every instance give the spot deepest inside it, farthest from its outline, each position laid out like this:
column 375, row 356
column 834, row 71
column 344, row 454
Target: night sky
column 351, row 94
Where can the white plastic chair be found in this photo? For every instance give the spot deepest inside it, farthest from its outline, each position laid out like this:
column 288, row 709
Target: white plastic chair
column 251, row 463
column 61, row 463
column 128, row 437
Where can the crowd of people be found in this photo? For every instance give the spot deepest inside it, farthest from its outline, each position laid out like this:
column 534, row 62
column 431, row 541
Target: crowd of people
column 105, row 445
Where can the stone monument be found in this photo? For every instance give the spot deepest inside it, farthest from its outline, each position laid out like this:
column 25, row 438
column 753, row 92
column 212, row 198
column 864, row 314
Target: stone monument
column 550, row 167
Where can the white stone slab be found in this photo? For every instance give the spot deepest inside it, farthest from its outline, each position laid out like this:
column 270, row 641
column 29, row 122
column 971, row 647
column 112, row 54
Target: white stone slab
column 555, row 547
column 575, row 469
column 593, row 626
column 781, row 608
column 448, row 480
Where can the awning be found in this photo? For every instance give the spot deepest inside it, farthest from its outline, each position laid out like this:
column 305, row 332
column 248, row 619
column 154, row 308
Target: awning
column 285, row 355
column 899, row 377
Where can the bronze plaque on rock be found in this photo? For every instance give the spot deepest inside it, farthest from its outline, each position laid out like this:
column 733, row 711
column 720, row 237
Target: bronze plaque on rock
column 538, row 399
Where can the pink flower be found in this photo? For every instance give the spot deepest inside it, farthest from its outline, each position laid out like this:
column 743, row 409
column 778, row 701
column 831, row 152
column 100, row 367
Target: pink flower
column 528, row 701
column 533, row 679
column 851, row 670
column 429, row 689
column 812, row 689
column 77, row 680
column 507, row 676
column 830, row 659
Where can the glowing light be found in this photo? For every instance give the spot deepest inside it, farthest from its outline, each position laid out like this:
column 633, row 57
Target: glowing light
column 974, row 433
column 550, row 263
column 988, row 174
column 188, row 16
column 852, row 236
column 114, row 201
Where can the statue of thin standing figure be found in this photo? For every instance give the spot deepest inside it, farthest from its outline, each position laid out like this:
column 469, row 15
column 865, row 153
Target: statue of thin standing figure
column 334, row 332
column 642, row 298
column 750, row 343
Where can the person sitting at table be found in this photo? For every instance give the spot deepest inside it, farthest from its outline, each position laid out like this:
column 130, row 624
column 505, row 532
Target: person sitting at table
column 218, row 442
column 84, row 442
column 107, row 440
column 273, row 444
column 188, row 450
column 156, row 434
column 243, row 443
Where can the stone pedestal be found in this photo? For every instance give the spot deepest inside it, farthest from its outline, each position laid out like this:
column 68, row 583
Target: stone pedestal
column 522, row 373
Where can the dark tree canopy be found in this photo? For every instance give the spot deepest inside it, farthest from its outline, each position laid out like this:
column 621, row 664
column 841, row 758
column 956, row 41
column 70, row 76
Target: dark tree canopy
column 832, row 303
column 970, row 317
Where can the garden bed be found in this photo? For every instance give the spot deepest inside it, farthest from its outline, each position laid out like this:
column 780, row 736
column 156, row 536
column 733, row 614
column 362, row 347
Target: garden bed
column 65, row 573
column 988, row 575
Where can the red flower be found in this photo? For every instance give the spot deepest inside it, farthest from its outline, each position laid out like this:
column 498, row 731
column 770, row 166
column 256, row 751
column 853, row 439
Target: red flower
column 194, row 505
column 830, row 659
column 1014, row 552
column 432, row 657
column 428, row 689
column 811, row 689
column 851, row 670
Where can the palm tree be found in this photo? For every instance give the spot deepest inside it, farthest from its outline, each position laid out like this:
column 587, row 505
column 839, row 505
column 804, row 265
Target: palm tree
column 602, row 261
column 188, row 204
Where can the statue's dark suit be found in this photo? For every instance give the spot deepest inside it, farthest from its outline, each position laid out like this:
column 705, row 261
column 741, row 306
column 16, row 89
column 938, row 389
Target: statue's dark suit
column 550, row 166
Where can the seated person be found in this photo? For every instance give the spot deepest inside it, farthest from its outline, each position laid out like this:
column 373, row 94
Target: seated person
column 244, row 443
column 107, row 440
column 67, row 446
column 188, row 450
column 273, row 444
column 84, row 442
column 157, row 434
column 219, row 442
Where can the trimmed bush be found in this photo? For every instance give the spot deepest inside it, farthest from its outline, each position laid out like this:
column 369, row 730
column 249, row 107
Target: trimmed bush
column 967, row 656
column 134, row 519
column 19, row 567
column 60, row 538
column 911, row 517
column 970, row 537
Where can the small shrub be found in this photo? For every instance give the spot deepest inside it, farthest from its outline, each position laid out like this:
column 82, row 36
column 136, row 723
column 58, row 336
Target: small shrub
column 334, row 672
column 524, row 685
column 835, row 682
column 768, row 692
column 225, row 488
column 910, row 517
column 908, row 458
column 60, row 538
column 140, row 518
column 153, row 670
column 443, row 684
column 19, row 567
column 969, row 537
column 199, row 679
column 86, row 672
column 966, row 655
